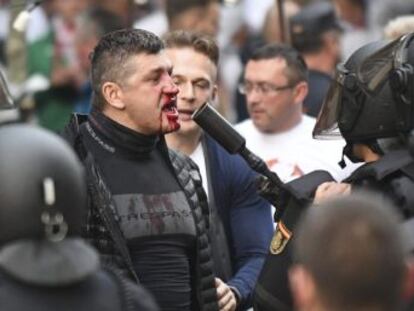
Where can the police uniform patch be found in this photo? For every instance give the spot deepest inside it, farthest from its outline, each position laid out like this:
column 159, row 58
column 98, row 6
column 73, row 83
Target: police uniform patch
column 280, row 239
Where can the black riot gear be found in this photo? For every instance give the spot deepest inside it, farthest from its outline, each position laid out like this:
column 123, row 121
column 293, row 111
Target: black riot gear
column 364, row 107
column 350, row 110
column 271, row 291
column 44, row 265
column 370, row 100
column 43, row 192
column 371, row 104
column 393, row 63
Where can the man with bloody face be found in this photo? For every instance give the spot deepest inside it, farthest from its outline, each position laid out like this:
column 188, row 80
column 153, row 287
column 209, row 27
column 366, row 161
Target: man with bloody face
column 147, row 213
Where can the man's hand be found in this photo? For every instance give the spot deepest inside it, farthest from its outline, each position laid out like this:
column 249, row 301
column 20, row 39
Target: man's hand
column 331, row 189
column 226, row 297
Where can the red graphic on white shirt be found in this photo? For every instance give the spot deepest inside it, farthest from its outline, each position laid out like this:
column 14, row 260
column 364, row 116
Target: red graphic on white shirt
column 285, row 169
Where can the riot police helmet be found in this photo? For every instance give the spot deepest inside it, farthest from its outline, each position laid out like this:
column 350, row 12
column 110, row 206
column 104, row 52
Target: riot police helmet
column 350, row 109
column 43, row 190
column 370, row 100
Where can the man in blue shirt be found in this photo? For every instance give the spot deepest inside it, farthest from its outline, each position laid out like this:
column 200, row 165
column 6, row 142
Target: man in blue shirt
column 240, row 221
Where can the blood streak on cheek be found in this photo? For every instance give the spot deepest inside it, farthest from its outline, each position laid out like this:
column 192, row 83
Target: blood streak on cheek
column 172, row 116
column 163, row 100
column 160, row 119
column 174, row 124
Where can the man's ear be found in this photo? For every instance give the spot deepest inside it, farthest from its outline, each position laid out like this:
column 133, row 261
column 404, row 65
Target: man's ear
column 113, row 94
column 302, row 287
column 300, row 92
column 214, row 95
column 332, row 42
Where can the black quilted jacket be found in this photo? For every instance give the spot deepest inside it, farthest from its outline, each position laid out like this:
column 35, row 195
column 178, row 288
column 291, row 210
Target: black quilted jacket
column 103, row 232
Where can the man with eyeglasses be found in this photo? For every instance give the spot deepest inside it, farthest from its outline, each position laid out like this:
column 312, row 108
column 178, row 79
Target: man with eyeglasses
column 275, row 85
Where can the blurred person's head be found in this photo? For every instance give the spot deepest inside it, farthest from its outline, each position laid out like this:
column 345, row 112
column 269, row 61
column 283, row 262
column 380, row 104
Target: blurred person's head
column 194, row 58
column 348, row 255
column 315, row 33
column 93, row 25
column 131, row 82
column 352, row 11
column 271, row 29
column 399, row 26
column 69, row 10
column 275, row 84
column 195, row 15
column 48, row 7
column 121, row 8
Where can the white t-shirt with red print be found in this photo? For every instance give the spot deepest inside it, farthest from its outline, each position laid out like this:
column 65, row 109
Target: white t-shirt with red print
column 294, row 153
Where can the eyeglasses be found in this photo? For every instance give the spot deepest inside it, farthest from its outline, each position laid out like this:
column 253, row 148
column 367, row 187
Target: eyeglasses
column 262, row 88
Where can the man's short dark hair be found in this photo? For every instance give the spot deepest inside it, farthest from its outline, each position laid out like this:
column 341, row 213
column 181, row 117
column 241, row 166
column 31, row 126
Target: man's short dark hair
column 201, row 43
column 353, row 249
column 296, row 69
column 310, row 26
column 111, row 55
column 174, row 8
column 314, row 44
column 104, row 21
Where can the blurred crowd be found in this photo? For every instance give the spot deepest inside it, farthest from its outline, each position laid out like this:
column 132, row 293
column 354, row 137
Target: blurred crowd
column 61, row 34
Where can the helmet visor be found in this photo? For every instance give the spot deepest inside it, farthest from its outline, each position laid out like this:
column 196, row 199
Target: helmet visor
column 375, row 69
column 326, row 126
